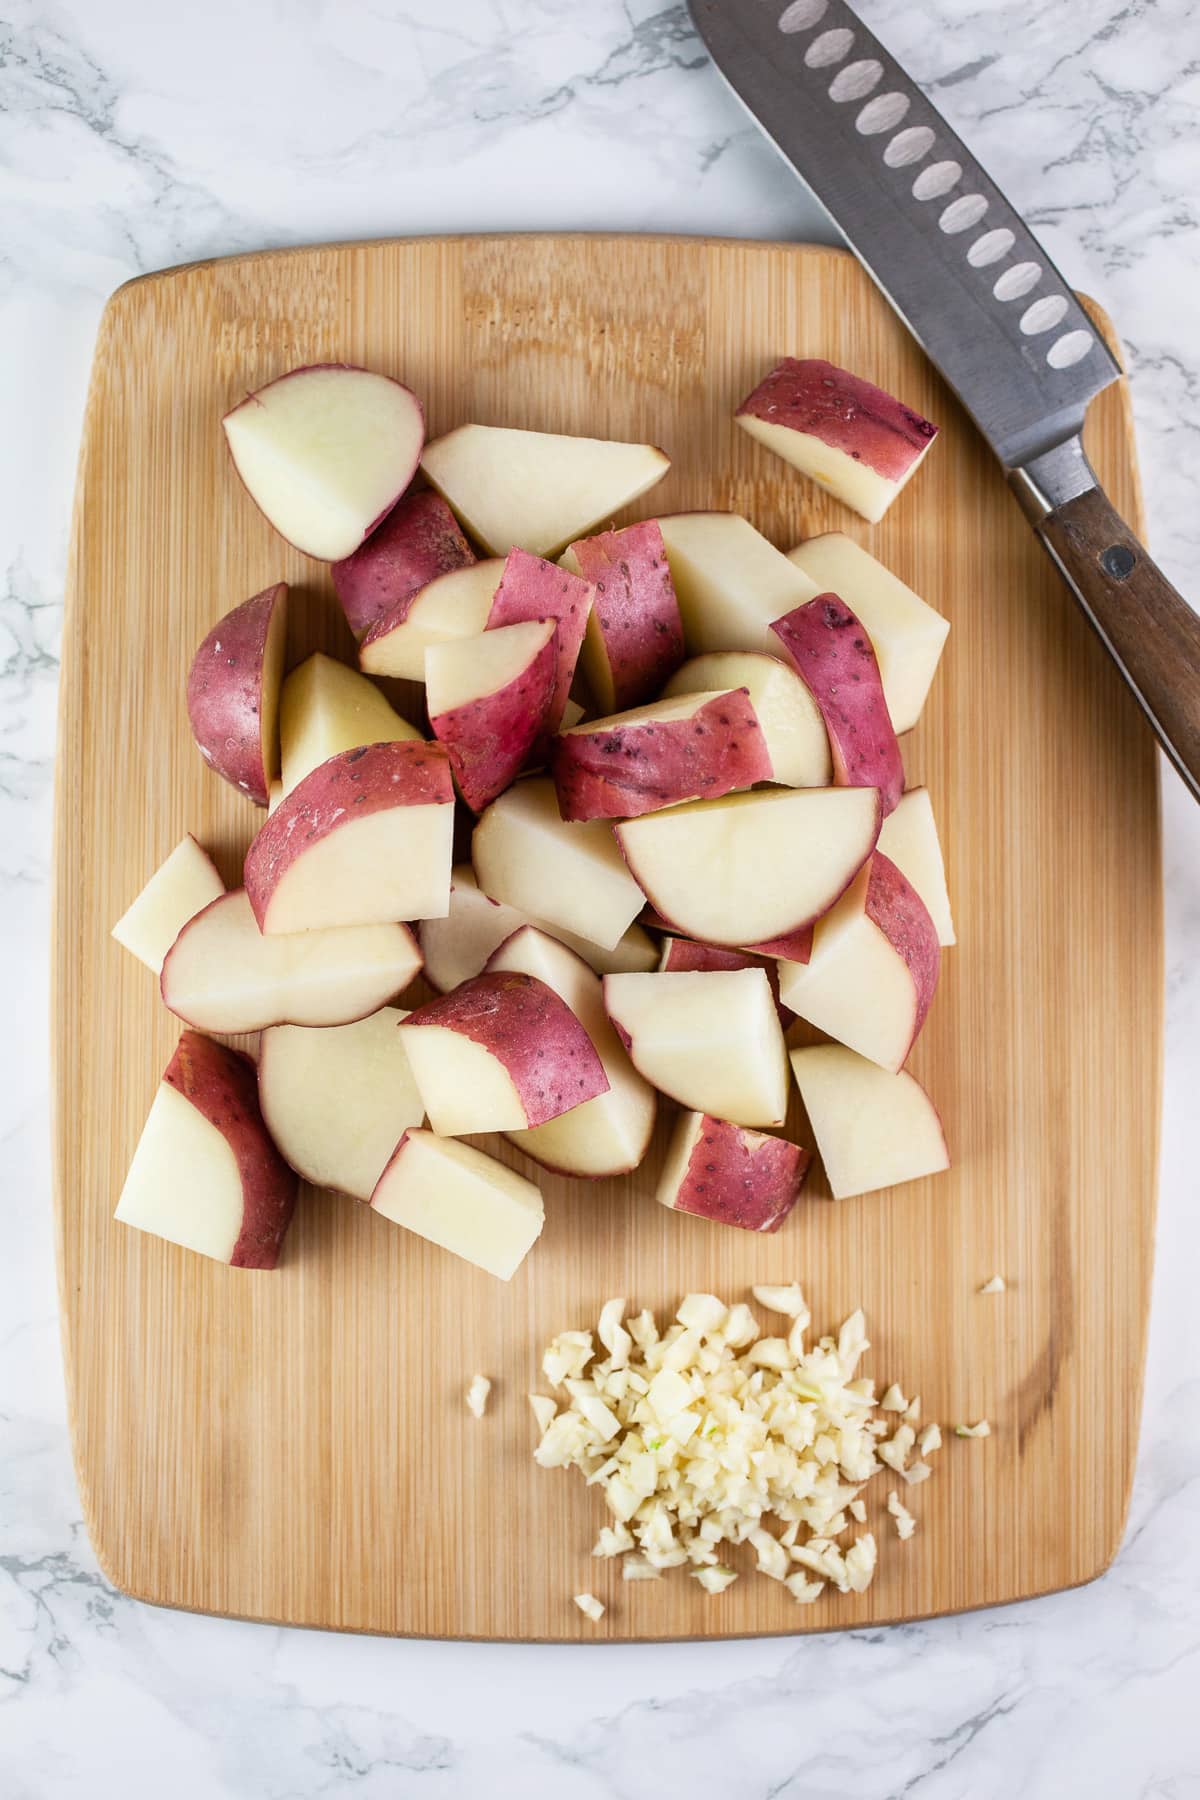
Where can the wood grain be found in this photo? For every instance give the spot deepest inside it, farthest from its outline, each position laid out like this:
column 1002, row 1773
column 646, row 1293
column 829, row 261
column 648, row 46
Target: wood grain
column 295, row 1446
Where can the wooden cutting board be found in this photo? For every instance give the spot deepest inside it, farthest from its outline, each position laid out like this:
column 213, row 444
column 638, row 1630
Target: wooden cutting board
column 295, row 1446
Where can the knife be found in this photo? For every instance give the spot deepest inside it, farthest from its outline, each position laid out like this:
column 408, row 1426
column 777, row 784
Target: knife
column 982, row 299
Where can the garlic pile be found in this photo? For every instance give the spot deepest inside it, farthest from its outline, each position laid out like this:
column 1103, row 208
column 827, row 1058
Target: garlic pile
column 701, row 1435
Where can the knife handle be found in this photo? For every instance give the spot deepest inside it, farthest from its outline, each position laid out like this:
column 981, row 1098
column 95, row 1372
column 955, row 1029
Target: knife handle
column 1150, row 631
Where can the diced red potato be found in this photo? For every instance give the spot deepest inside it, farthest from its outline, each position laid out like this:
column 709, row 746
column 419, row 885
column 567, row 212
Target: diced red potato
column 325, row 708
column 873, row 1129
column 233, row 693
column 698, row 746
column 336, row 1101
column 634, row 638
column 325, row 452
column 455, row 605
column 680, row 954
column 854, row 440
column 910, row 839
column 180, row 887
column 489, row 700
column 730, row 582
column 224, row 974
column 536, row 489
column 366, row 838
column 607, row 1135
column 749, row 868
column 205, row 1174
column 792, row 726
column 907, row 634
column 873, row 970
column 794, row 946
column 465, row 1202
column 531, row 588
column 711, row 1040
column 729, row 1175
column 500, row 1053
column 457, row 947
column 832, row 654
column 419, row 540
column 571, row 876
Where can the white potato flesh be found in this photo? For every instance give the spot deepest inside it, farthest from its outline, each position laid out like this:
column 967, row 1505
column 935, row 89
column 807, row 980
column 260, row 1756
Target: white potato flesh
column 392, row 864
column 467, row 669
column 910, row 838
column 456, row 947
column 326, row 708
column 325, row 452
column 609, row 1134
column 464, row 1087
column 856, row 986
column 337, row 1101
column 572, row 876
column 906, row 634
column 454, row 605
column 465, row 1202
column 730, row 582
column 848, row 479
column 536, row 489
column 793, row 729
column 751, row 867
column 180, row 887
column 873, row 1129
column 184, row 1183
column 224, row 975
column 710, row 1039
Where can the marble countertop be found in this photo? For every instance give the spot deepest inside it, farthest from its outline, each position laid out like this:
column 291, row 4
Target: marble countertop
column 135, row 135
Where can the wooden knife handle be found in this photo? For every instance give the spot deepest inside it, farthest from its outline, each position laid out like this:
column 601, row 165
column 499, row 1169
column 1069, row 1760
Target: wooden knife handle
column 1151, row 632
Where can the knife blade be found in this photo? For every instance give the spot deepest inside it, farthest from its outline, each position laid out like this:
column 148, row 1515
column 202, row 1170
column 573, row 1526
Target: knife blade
column 981, row 297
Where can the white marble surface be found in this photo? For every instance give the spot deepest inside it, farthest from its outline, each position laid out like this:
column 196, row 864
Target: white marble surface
column 135, row 134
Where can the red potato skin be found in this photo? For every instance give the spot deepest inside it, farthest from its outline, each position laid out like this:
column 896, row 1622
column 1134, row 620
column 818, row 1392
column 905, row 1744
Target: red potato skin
column 795, row 946
column 525, row 1025
column 532, row 588
column 635, row 608
column 419, row 540
column 685, row 954
column 831, row 652
column 619, row 771
column 351, row 785
column 894, row 906
column 222, row 1085
column 488, row 740
column 224, row 693
column 844, row 411
column 740, row 1177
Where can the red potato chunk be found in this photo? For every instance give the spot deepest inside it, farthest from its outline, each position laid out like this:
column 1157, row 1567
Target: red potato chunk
column 730, row 1175
column 696, row 747
column 634, row 638
column 233, row 693
column 419, row 540
column 532, row 588
column 831, row 652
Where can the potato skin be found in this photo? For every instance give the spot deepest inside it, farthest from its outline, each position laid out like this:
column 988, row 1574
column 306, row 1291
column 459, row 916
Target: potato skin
column 419, row 540
column 618, row 770
column 222, row 1085
column 895, row 907
column 225, row 694
column 735, row 1176
column 831, row 652
column 524, row 1025
column 634, row 640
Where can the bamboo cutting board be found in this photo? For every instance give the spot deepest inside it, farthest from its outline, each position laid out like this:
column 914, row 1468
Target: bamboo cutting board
column 294, row 1446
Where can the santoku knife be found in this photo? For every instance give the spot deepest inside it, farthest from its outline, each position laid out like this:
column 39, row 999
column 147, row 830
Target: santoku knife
column 984, row 301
